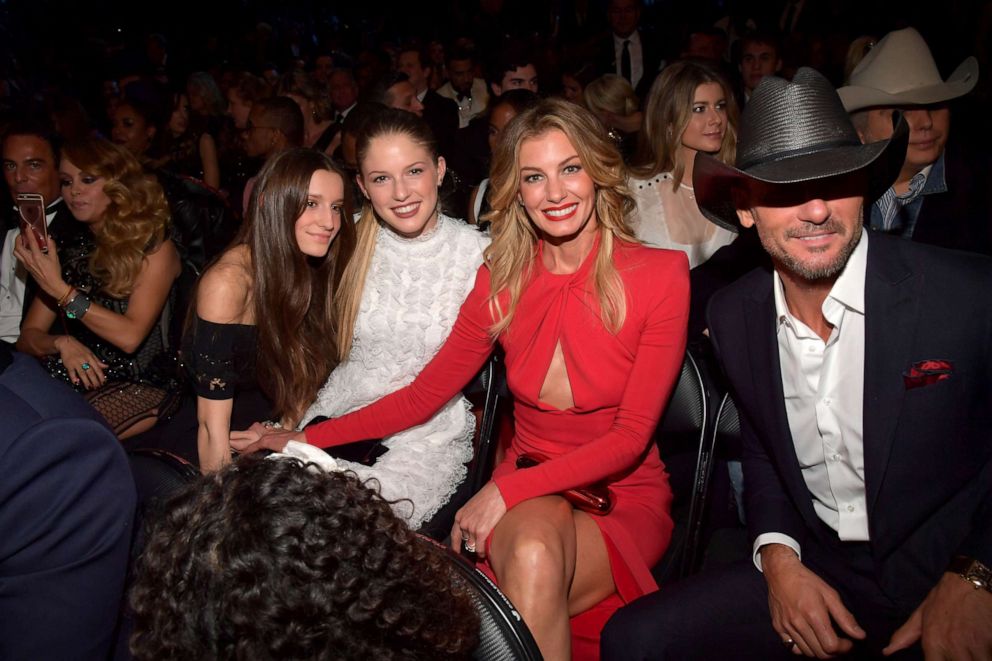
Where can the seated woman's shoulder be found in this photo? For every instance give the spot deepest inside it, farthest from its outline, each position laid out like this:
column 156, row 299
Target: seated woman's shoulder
column 639, row 255
column 469, row 234
column 223, row 293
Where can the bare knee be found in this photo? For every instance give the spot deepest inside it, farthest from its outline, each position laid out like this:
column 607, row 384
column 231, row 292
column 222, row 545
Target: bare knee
column 538, row 555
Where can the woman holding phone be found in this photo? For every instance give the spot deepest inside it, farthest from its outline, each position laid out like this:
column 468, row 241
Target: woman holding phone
column 109, row 292
column 594, row 329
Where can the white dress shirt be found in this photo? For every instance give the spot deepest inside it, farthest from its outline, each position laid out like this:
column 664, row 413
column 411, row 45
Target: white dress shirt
column 469, row 106
column 636, row 56
column 13, row 281
column 823, row 384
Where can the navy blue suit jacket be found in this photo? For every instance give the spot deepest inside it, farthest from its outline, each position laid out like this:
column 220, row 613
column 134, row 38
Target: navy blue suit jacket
column 66, row 514
column 927, row 450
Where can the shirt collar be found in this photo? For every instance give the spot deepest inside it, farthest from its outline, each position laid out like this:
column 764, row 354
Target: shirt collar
column 848, row 289
column 634, row 38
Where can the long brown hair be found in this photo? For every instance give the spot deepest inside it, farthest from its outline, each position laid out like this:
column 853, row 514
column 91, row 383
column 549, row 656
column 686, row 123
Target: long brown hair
column 293, row 295
column 136, row 219
column 666, row 116
column 380, row 122
column 511, row 254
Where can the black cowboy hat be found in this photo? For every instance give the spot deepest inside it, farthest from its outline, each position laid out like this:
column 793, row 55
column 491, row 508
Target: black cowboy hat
column 793, row 132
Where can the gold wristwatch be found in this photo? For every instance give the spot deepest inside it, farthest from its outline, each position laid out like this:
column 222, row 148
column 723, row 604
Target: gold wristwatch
column 972, row 571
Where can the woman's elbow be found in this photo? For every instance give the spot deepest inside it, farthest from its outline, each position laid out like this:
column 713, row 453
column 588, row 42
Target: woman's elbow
column 25, row 344
column 131, row 342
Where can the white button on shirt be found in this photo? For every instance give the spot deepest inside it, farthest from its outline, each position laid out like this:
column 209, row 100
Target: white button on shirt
column 823, row 384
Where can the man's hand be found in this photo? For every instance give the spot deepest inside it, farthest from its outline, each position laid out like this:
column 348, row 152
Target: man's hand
column 954, row 622
column 802, row 606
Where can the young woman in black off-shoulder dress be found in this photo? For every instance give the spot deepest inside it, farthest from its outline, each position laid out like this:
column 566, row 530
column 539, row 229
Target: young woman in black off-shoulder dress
column 261, row 339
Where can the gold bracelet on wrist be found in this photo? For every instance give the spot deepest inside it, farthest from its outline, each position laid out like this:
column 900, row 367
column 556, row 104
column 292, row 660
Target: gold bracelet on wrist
column 65, row 296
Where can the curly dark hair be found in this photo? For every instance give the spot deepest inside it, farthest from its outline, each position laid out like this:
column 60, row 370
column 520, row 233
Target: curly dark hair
column 275, row 559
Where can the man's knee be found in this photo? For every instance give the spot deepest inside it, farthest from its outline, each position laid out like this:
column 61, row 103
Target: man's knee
column 719, row 614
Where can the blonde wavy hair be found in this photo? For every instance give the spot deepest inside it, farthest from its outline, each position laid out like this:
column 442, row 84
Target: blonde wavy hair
column 611, row 93
column 667, row 114
column 513, row 250
column 136, row 220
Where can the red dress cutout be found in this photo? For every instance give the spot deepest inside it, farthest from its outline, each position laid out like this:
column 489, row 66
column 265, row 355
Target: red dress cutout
column 619, row 384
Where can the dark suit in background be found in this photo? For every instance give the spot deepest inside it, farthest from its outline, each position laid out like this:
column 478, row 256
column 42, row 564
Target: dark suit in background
column 441, row 114
column 651, row 54
column 66, row 512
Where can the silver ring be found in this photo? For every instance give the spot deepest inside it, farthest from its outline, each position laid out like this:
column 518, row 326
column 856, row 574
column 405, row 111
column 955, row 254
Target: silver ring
column 469, row 546
column 85, row 366
column 789, row 643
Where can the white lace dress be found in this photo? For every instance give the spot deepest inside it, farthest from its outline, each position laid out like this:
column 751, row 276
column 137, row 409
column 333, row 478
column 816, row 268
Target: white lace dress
column 413, row 291
column 670, row 218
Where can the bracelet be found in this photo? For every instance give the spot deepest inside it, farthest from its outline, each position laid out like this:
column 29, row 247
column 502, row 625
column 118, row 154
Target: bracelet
column 77, row 307
column 65, row 296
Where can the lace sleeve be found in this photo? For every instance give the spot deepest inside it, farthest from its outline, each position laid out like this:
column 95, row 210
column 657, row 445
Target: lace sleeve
column 216, row 357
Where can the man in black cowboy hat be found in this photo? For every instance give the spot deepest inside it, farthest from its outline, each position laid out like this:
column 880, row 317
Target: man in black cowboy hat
column 862, row 368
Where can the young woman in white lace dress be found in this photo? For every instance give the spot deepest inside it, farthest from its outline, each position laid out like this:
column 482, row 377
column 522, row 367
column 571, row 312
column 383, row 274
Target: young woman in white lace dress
column 398, row 300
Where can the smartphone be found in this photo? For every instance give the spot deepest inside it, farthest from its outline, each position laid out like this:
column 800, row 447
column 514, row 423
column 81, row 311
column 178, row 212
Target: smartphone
column 31, row 207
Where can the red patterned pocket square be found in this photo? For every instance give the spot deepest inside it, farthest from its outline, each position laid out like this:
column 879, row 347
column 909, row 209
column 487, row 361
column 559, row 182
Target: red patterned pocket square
column 927, row 372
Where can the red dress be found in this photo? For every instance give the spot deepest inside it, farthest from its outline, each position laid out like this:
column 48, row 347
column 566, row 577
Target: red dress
column 619, row 384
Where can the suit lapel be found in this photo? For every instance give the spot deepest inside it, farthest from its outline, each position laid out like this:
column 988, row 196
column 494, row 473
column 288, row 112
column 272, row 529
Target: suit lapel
column 891, row 315
column 766, row 371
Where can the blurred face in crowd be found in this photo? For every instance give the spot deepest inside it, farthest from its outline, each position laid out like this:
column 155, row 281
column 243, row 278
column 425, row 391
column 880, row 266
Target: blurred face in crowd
column 757, row 61
column 403, row 96
column 521, row 78
column 555, row 190
column 623, row 16
column 83, row 193
column 131, row 130
column 400, row 178
column 322, row 216
column 706, row 46
column 499, row 117
column 29, row 167
column 179, row 121
column 571, row 89
column 344, row 90
column 707, row 121
column 409, row 63
column 461, row 74
column 260, row 136
column 322, row 68
column 197, row 102
column 238, row 108
column 929, row 127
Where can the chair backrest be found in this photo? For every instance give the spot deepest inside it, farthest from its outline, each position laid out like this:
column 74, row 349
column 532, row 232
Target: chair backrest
column 727, row 435
column 492, row 382
column 503, row 636
column 681, row 437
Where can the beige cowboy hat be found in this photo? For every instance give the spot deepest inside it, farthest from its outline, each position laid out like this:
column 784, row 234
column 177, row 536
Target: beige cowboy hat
column 900, row 71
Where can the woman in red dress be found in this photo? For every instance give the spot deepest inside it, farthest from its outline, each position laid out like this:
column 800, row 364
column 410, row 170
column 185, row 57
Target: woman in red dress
column 594, row 328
